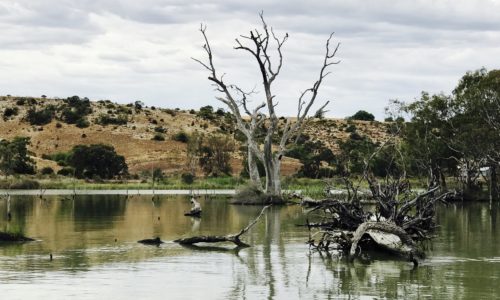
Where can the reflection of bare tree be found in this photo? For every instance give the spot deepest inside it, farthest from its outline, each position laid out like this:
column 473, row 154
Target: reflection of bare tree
column 196, row 224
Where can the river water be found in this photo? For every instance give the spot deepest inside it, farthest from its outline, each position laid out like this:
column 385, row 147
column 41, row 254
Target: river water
column 96, row 256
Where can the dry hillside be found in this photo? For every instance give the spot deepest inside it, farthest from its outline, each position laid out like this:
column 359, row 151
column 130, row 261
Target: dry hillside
column 134, row 139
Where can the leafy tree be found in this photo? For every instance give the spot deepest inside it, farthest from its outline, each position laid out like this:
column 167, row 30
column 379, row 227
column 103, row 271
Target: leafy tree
column 14, row 157
column 428, row 137
column 97, row 160
column 75, row 110
column 215, row 155
column 363, row 116
column 457, row 134
column 138, row 105
column 158, row 175
column 212, row 154
column 476, row 123
column 313, row 155
column 354, row 152
column 42, row 116
column 206, row 112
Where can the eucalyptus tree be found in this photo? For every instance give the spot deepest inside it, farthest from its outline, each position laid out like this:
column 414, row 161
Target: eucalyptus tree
column 266, row 48
column 477, row 121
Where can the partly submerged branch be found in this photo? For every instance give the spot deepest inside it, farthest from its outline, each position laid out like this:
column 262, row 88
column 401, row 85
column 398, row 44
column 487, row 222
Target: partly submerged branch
column 233, row 238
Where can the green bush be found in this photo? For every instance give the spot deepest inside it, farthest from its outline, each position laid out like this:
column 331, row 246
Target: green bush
column 14, row 158
column 66, row 171
column 25, row 184
column 47, row 171
column 40, row 117
column 10, row 111
column 107, row 120
column 97, row 160
column 181, row 137
column 158, row 137
column 82, row 123
column 206, row 112
column 187, row 178
column 351, row 128
column 59, row 157
column 363, row 116
column 160, row 129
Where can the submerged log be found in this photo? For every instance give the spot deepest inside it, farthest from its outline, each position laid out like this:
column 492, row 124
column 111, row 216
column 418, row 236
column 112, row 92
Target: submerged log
column 155, row 241
column 233, row 238
column 11, row 237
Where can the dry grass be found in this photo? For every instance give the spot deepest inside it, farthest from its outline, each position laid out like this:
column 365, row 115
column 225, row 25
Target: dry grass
column 133, row 140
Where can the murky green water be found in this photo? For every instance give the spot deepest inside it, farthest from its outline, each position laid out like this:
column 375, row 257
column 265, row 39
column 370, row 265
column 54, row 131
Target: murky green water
column 463, row 261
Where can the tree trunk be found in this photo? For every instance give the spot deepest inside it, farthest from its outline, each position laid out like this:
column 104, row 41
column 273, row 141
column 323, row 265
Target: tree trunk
column 273, row 180
column 383, row 234
column 253, row 170
column 493, row 183
column 443, row 180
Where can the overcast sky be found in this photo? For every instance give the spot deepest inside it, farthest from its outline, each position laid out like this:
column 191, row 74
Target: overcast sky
column 127, row 50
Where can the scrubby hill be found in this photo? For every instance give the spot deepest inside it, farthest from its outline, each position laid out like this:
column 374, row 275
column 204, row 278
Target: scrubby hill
column 148, row 137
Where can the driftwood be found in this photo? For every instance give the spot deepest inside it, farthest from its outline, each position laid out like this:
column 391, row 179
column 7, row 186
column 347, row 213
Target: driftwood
column 401, row 219
column 233, row 238
column 388, row 236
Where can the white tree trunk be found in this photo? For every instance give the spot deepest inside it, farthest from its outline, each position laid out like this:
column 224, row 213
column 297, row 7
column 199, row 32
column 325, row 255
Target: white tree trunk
column 253, row 170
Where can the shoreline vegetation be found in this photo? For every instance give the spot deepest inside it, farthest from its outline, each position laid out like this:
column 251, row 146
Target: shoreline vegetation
column 314, row 188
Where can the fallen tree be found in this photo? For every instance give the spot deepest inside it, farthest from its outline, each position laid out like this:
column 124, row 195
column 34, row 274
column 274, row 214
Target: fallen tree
column 233, row 238
column 396, row 223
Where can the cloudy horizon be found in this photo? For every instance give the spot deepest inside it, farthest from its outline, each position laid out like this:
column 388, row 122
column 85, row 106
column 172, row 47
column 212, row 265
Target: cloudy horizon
column 128, row 50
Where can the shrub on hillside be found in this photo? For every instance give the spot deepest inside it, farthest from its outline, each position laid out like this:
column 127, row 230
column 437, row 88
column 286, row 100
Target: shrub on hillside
column 42, row 116
column 362, row 116
column 10, row 111
column 158, row 137
column 160, row 129
column 107, row 120
column 181, row 137
column 47, row 171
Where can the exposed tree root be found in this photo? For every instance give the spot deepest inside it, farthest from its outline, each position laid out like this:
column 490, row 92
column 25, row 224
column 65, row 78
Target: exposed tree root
column 400, row 219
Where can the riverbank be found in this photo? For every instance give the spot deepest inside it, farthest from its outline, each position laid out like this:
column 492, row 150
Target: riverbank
column 60, row 185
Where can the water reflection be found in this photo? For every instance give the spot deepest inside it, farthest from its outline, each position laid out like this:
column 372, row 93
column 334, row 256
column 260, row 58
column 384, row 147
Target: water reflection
column 93, row 241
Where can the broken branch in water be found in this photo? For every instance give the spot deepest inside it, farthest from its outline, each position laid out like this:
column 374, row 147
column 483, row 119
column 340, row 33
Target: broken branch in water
column 233, row 238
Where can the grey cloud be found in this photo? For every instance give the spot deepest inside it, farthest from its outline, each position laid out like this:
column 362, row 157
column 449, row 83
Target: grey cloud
column 390, row 49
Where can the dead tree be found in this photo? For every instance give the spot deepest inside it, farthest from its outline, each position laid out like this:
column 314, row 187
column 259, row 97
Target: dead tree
column 401, row 218
column 233, row 238
column 263, row 115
